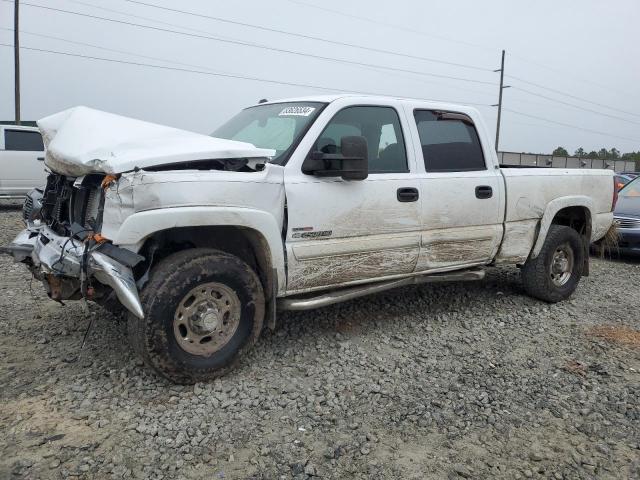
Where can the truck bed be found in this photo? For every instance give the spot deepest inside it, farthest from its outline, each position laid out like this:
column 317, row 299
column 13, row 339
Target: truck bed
column 532, row 190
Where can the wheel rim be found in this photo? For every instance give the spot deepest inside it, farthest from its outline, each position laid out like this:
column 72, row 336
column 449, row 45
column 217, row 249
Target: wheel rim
column 562, row 265
column 206, row 319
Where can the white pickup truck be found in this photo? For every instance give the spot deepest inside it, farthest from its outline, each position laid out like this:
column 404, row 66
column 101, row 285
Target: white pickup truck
column 291, row 205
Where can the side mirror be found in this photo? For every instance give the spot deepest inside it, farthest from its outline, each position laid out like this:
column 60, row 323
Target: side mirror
column 351, row 164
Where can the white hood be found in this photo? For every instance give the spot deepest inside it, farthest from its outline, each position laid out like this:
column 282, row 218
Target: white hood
column 82, row 140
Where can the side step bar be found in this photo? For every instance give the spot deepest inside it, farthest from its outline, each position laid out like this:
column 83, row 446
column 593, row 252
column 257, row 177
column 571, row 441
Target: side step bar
column 12, row 197
column 342, row 295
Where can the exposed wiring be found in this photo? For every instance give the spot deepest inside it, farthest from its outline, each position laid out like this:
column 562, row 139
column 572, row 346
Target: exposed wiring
column 63, row 252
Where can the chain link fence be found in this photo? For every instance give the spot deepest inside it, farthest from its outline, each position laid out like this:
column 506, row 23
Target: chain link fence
column 535, row 160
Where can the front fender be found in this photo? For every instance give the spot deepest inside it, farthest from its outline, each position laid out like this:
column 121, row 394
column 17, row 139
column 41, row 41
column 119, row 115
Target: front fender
column 553, row 207
column 138, row 227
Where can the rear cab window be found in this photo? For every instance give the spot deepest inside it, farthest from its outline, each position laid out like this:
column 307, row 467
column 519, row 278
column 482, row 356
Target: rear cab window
column 23, row 140
column 449, row 141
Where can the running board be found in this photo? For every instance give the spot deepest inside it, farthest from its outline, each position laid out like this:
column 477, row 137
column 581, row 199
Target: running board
column 342, row 295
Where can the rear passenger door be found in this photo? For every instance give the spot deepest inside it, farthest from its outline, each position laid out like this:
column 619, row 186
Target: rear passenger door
column 21, row 161
column 463, row 208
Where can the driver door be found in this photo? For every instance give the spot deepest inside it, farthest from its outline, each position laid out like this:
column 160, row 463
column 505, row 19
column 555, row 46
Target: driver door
column 342, row 232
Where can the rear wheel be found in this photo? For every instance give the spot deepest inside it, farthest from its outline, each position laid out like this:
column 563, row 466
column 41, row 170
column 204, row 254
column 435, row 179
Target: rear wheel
column 555, row 273
column 203, row 308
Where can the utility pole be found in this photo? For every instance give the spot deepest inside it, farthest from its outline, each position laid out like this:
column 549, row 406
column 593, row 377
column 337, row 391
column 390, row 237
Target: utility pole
column 499, row 104
column 16, row 58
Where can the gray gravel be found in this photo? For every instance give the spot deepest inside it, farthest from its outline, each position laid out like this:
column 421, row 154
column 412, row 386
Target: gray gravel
column 453, row 381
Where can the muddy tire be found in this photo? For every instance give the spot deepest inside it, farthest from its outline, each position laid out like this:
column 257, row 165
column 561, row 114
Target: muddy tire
column 203, row 309
column 554, row 274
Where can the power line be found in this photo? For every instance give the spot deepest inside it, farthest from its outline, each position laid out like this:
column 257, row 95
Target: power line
column 394, row 74
column 161, row 59
column 257, row 79
column 310, row 37
column 561, row 72
column 254, row 45
column 114, row 50
column 431, row 82
column 541, row 125
column 452, row 40
column 571, row 96
column 391, row 25
column 175, row 62
column 571, row 126
column 573, row 105
column 317, row 87
column 526, row 124
column 164, row 67
column 225, row 75
column 141, row 17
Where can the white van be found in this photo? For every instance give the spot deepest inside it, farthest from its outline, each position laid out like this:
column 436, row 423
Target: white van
column 21, row 160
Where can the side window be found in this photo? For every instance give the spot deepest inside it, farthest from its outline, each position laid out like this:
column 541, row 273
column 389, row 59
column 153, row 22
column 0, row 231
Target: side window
column 23, row 140
column 380, row 126
column 448, row 144
column 329, row 141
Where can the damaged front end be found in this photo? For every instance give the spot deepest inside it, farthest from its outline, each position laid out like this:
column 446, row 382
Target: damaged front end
column 63, row 248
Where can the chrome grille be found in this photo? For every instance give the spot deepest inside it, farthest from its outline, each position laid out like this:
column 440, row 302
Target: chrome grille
column 91, row 210
column 55, row 203
column 86, row 201
column 27, row 208
column 624, row 222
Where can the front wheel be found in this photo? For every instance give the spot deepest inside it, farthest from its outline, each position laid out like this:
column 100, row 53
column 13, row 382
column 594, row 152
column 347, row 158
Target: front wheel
column 554, row 274
column 203, row 308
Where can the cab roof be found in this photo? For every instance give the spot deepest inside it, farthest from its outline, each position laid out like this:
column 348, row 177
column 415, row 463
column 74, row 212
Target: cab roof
column 360, row 98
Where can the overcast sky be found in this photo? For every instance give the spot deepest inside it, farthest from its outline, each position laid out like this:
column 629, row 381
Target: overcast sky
column 589, row 49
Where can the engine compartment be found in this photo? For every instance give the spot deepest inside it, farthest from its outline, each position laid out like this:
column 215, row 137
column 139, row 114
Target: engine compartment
column 71, row 205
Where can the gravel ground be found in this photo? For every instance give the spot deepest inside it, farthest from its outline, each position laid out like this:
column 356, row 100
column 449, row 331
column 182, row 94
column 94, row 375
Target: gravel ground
column 468, row 380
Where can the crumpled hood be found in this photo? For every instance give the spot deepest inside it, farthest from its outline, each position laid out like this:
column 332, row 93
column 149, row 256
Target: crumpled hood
column 82, row 140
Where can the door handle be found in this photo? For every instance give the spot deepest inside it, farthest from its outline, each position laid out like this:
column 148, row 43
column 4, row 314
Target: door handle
column 408, row 194
column 40, row 159
column 484, row 191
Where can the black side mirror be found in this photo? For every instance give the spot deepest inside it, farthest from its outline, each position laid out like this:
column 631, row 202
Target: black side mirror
column 355, row 163
column 351, row 164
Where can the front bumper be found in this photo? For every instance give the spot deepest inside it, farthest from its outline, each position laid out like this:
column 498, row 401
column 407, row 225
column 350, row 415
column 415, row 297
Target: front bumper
column 628, row 233
column 629, row 240
column 63, row 263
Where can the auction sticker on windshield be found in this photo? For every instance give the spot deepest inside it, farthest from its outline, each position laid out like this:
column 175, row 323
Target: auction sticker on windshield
column 297, row 111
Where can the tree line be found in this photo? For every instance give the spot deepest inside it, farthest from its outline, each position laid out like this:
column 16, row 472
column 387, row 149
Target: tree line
column 603, row 154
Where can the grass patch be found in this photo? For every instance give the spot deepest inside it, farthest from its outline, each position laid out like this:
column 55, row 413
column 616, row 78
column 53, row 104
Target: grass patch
column 609, row 243
column 617, row 334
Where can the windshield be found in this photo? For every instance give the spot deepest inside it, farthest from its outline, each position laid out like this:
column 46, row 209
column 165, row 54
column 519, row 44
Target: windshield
column 631, row 189
column 278, row 126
